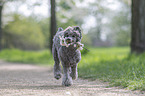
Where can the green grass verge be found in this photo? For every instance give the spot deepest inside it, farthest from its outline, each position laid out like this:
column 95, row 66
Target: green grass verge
column 36, row 57
column 115, row 66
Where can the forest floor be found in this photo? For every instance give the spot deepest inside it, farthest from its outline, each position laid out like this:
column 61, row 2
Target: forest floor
column 31, row 80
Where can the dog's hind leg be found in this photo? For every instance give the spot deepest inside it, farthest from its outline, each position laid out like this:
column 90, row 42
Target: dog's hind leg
column 57, row 67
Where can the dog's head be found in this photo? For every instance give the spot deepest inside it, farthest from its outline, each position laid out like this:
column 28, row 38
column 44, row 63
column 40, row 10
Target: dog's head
column 72, row 34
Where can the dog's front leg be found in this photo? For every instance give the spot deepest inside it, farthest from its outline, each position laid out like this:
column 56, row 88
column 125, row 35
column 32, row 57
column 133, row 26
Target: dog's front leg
column 74, row 73
column 67, row 79
column 57, row 67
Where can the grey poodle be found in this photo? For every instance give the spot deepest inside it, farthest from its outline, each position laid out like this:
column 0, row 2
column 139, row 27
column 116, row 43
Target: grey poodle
column 66, row 48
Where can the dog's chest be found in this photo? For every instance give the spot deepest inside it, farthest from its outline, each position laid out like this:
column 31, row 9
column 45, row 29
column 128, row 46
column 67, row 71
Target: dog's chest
column 70, row 56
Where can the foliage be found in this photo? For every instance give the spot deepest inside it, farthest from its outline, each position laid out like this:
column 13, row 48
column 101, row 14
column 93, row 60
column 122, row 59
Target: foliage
column 86, row 40
column 44, row 25
column 121, row 25
column 23, row 33
column 114, row 25
column 36, row 57
column 67, row 14
column 114, row 65
column 64, row 22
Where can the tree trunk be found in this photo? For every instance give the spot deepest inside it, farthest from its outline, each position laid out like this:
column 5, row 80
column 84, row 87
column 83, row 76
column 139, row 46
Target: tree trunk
column 138, row 26
column 53, row 23
column 1, row 7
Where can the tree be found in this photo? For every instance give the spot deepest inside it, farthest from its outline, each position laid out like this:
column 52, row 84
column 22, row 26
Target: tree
column 1, row 8
column 52, row 23
column 138, row 26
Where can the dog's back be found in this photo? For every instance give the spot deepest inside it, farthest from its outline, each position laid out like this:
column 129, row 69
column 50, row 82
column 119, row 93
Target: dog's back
column 56, row 39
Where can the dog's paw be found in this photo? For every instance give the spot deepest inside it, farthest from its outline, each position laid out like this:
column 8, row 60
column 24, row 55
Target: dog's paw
column 57, row 73
column 57, row 76
column 74, row 75
column 67, row 82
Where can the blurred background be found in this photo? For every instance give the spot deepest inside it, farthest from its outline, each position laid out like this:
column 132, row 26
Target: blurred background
column 26, row 23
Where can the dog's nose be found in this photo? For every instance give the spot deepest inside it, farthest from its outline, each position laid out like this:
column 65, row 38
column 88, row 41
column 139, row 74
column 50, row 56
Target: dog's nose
column 73, row 41
column 68, row 40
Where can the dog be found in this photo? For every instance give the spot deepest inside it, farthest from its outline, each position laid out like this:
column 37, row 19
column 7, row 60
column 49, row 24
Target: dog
column 66, row 49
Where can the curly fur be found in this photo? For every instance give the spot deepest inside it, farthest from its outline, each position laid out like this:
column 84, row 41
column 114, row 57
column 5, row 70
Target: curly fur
column 69, row 56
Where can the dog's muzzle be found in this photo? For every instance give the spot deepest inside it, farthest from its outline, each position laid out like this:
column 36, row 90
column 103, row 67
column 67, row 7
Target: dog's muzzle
column 69, row 40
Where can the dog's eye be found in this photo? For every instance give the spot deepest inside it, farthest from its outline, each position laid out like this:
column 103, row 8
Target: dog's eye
column 67, row 36
column 73, row 36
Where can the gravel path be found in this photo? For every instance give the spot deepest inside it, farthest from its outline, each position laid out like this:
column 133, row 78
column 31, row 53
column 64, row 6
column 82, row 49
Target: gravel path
column 31, row 80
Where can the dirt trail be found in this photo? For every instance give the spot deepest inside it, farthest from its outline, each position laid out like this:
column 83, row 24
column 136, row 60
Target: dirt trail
column 30, row 80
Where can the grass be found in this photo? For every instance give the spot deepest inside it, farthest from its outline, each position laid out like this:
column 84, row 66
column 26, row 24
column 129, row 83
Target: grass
column 113, row 65
column 36, row 57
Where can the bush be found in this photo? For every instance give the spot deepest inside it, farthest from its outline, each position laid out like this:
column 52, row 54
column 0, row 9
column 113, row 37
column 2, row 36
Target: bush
column 23, row 33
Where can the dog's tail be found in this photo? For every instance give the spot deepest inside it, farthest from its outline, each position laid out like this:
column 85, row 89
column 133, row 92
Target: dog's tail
column 60, row 29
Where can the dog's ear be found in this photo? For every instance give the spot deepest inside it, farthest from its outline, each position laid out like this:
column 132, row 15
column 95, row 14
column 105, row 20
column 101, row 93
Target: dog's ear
column 77, row 28
column 60, row 29
column 68, row 28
